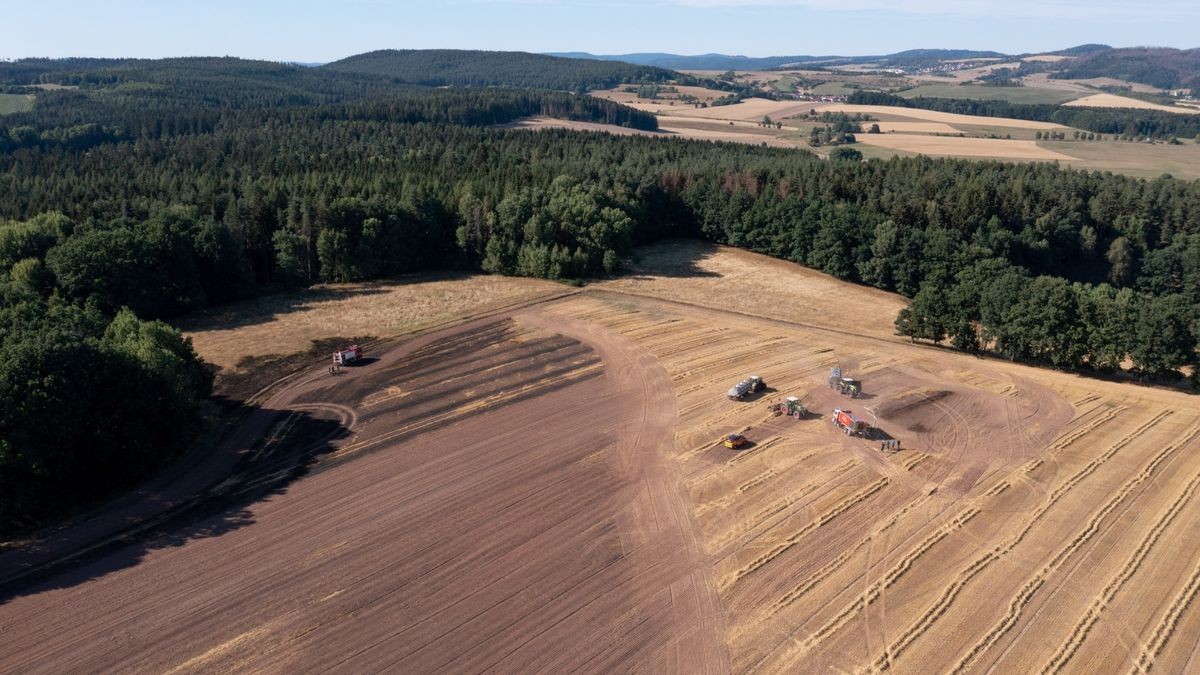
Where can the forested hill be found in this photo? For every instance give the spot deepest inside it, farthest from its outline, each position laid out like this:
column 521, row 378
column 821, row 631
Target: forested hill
column 909, row 58
column 472, row 68
column 701, row 61
column 1156, row 66
column 107, row 100
column 189, row 83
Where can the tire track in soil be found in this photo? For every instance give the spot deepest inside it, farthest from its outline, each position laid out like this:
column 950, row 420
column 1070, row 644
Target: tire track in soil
column 1025, row 596
column 693, row 630
column 801, row 647
column 1133, row 564
column 663, row 480
column 948, row 597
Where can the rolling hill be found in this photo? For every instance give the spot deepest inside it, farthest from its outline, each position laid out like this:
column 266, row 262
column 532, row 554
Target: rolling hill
column 701, row 61
column 738, row 62
column 474, row 68
column 1156, row 66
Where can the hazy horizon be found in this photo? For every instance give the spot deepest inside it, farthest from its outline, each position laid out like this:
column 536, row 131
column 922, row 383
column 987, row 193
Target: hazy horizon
column 310, row 31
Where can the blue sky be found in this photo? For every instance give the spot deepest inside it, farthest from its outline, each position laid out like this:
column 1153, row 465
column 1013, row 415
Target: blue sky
column 311, row 30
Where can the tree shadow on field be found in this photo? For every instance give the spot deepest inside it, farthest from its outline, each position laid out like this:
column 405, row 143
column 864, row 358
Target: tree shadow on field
column 288, row 449
column 270, row 306
column 674, row 258
column 253, row 373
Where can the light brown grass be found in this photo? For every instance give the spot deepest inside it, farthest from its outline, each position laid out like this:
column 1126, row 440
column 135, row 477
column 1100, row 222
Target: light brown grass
column 290, row 322
column 732, row 278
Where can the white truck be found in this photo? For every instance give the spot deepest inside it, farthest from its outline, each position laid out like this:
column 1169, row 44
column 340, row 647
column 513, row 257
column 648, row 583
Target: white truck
column 348, row 355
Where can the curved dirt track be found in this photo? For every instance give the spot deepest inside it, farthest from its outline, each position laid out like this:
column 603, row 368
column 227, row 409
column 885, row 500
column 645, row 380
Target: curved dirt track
column 503, row 502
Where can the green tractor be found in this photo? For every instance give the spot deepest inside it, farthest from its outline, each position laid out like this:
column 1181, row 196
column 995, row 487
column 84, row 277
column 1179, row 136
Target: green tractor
column 792, row 407
column 850, row 387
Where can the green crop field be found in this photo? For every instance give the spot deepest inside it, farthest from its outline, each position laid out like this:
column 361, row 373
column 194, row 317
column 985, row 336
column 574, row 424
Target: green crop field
column 834, row 89
column 1010, row 94
column 11, row 103
column 785, row 84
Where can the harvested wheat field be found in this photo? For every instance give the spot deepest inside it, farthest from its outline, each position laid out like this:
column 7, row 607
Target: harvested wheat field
column 964, row 147
column 749, row 110
column 1114, row 101
column 934, row 116
column 753, row 110
column 913, row 127
column 543, row 489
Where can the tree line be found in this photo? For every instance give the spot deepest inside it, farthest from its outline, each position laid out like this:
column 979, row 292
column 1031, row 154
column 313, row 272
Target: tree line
column 92, row 403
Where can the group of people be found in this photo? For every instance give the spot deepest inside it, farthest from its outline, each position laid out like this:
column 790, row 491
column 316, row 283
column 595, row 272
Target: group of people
column 335, row 368
column 891, row 444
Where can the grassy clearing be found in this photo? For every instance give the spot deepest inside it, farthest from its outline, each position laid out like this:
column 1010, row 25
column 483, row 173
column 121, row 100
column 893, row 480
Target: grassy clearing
column 880, row 152
column 1017, row 134
column 1143, row 160
column 1010, row 94
column 784, row 85
column 11, row 103
column 834, row 89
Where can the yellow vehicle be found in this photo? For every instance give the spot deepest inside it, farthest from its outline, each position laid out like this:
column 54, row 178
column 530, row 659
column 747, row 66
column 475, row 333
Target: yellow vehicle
column 734, row 441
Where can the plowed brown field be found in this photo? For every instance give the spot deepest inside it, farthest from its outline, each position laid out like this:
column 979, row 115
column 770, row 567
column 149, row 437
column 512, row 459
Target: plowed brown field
column 543, row 490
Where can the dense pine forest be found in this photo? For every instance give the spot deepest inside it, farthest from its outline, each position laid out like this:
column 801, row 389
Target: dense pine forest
column 157, row 188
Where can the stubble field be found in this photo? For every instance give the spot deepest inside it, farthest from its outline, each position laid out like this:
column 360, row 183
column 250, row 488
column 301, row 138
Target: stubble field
column 542, row 488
